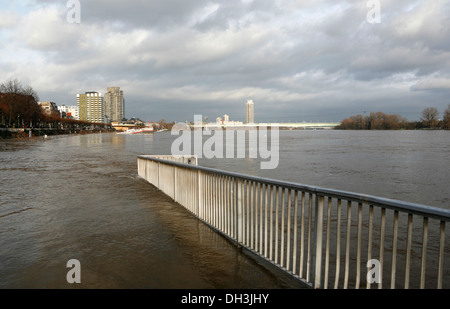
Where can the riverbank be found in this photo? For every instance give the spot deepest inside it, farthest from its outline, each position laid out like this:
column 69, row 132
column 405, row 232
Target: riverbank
column 6, row 133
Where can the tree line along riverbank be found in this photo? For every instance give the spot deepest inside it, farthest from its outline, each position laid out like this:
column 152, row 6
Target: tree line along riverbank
column 381, row 121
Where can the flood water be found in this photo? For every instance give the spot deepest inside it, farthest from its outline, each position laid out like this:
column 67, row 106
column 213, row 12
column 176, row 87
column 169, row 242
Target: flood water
column 79, row 197
column 412, row 166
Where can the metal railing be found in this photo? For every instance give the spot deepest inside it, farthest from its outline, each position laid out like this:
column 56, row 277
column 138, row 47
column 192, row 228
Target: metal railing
column 325, row 238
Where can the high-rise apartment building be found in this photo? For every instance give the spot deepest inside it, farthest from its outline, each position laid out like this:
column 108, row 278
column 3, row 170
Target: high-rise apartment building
column 91, row 107
column 114, row 104
column 249, row 112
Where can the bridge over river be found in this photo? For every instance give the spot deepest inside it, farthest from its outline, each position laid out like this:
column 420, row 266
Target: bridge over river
column 285, row 126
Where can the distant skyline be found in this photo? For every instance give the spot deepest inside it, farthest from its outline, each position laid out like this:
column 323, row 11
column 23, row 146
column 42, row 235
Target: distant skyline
column 297, row 60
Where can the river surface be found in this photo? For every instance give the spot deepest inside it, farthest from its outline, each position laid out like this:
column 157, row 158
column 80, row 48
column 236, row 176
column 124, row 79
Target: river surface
column 79, row 197
column 412, row 166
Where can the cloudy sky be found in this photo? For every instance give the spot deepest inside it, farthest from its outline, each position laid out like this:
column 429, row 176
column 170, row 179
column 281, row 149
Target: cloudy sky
column 298, row 60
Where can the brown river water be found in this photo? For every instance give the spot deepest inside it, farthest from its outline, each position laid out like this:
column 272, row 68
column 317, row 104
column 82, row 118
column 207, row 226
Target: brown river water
column 79, row 197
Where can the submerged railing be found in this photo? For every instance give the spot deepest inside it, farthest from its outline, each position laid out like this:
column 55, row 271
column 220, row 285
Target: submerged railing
column 325, row 238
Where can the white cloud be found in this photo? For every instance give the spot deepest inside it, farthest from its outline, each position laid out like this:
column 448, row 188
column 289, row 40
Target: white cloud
column 46, row 30
column 432, row 84
column 295, row 55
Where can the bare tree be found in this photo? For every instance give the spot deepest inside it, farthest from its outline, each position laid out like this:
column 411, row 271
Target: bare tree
column 11, row 86
column 28, row 90
column 430, row 117
column 446, row 119
column 15, row 86
column 19, row 104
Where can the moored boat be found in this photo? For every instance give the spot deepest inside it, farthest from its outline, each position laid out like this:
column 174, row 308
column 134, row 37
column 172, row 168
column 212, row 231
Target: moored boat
column 143, row 130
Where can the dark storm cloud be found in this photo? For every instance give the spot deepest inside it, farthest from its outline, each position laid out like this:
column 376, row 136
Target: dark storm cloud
column 296, row 59
column 143, row 14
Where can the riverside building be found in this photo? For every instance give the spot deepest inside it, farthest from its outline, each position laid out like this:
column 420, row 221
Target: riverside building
column 114, row 105
column 49, row 107
column 70, row 111
column 91, row 107
column 249, row 112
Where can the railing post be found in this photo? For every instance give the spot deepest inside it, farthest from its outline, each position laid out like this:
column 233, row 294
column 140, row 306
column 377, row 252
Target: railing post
column 199, row 194
column 159, row 187
column 139, row 167
column 175, row 183
column 318, row 240
column 239, row 210
column 441, row 255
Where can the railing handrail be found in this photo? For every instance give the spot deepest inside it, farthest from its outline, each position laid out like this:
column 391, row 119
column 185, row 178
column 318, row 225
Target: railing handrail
column 409, row 207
